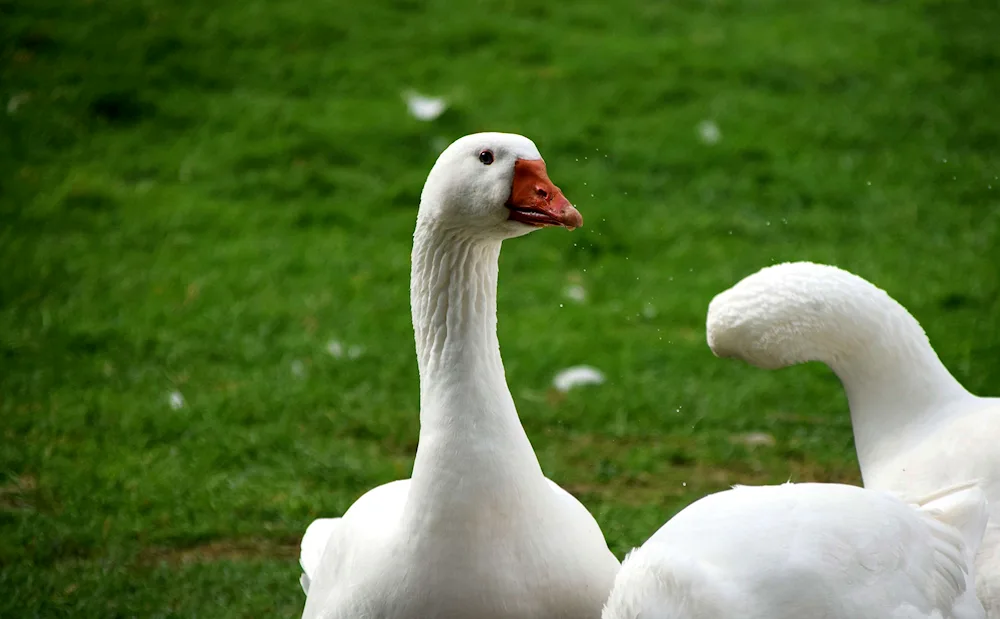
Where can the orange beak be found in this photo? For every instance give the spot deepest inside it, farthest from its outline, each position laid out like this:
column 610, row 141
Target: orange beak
column 535, row 201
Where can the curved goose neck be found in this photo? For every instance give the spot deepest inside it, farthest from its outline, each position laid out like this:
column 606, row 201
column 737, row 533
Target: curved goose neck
column 471, row 440
column 896, row 385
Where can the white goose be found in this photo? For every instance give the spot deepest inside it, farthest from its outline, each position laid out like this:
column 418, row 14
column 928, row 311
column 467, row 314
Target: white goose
column 915, row 427
column 808, row 551
column 478, row 531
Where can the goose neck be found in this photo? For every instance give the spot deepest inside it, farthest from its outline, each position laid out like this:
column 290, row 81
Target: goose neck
column 470, row 434
column 897, row 387
column 453, row 285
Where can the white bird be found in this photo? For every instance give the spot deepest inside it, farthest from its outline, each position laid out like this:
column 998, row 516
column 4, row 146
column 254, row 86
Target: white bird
column 478, row 531
column 808, row 551
column 916, row 428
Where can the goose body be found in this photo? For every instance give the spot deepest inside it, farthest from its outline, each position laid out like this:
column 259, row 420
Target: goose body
column 916, row 428
column 817, row 551
column 477, row 531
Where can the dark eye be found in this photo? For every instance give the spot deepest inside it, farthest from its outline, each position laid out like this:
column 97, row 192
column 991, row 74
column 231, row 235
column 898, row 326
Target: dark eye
column 486, row 157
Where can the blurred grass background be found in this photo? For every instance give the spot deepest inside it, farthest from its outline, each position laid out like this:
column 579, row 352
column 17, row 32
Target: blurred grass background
column 200, row 200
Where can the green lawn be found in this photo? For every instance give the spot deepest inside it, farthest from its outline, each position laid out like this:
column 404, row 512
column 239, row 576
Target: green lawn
column 198, row 197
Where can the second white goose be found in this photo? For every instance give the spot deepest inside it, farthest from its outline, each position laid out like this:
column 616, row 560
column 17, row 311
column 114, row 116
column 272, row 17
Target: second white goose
column 916, row 428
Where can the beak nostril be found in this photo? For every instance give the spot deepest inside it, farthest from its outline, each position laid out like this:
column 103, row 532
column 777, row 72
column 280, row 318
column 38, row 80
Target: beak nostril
column 541, row 193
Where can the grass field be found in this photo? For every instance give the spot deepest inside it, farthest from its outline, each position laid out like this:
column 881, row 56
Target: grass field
column 197, row 198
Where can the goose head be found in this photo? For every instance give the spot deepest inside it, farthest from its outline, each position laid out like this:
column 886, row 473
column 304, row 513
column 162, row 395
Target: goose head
column 494, row 186
column 798, row 312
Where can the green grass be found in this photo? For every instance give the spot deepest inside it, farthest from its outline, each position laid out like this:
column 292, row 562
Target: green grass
column 198, row 196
